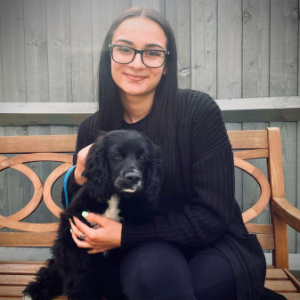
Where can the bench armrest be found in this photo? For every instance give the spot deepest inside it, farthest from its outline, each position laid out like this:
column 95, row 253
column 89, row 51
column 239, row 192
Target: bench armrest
column 287, row 212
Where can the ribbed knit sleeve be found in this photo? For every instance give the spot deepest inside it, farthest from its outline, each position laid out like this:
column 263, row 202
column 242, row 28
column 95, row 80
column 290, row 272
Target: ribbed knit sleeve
column 207, row 215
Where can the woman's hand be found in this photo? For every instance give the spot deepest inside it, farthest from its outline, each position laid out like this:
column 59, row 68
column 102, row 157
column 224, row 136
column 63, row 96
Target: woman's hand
column 107, row 237
column 80, row 165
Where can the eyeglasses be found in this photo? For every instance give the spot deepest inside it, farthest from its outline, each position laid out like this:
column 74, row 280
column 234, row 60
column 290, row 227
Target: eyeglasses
column 150, row 58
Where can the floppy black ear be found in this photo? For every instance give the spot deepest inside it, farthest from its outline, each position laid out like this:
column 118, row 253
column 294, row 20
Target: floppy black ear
column 153, row 181
column 97, row 174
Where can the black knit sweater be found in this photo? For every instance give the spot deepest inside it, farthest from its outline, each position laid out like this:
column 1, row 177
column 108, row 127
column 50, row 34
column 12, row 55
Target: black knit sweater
column 202, row 208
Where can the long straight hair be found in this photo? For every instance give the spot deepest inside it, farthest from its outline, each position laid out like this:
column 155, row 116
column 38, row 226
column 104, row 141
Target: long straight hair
column 162, row 123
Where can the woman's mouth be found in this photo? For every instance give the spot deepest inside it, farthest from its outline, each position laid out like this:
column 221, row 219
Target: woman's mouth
column 135, row 77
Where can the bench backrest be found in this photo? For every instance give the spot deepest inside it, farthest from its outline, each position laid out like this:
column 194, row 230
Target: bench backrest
column 251, row 144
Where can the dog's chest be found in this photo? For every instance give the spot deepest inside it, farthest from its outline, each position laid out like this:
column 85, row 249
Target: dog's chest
column 112, row 211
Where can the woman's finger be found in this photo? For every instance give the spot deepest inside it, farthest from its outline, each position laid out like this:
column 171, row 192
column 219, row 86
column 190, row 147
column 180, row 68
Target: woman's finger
column 79, row 243
column 95, row 250
column 83, row 228
column 75, row 230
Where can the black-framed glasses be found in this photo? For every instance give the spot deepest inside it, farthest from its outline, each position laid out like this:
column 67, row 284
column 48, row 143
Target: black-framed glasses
column 125, row 55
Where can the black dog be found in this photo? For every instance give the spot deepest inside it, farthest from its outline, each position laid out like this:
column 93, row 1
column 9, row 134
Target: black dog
column 123, row 170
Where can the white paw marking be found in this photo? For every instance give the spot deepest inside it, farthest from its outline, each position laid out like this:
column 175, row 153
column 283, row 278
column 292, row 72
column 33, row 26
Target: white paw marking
column 27, row 297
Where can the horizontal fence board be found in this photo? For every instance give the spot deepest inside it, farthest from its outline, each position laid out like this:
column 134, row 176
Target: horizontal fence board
column 269, row 109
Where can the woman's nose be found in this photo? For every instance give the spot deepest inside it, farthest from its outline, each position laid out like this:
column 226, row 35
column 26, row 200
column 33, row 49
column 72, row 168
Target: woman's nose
column 137, row 61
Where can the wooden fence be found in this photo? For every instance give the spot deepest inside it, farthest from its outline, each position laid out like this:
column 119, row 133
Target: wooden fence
column 231, row 49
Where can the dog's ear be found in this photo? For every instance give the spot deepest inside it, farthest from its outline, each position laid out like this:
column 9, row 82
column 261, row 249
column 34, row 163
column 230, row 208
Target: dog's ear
column 154, row 179
column 97, row 173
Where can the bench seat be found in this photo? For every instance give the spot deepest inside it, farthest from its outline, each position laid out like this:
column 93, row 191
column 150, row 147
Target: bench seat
column 247, row 145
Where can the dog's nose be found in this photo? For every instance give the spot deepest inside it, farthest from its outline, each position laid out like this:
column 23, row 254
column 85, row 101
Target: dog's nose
column 132, row 178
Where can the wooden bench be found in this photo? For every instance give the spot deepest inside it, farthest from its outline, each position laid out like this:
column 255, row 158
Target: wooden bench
column 264, row 144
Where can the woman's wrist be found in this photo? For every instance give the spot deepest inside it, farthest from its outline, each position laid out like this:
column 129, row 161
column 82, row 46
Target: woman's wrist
column 80, row 180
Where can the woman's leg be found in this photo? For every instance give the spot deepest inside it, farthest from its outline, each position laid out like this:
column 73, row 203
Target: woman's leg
column 213, row 278
column 156, row 270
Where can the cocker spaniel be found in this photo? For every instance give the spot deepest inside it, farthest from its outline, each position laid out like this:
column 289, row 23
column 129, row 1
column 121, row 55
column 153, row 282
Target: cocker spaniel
column 123, row 171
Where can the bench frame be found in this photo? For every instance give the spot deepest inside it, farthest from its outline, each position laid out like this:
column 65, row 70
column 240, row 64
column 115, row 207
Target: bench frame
column 251, row 144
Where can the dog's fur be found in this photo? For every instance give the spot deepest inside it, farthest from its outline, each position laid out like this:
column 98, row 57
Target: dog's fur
column 123, row 174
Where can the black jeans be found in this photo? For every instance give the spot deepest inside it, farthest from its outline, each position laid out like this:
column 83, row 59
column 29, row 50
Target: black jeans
column 159, row 270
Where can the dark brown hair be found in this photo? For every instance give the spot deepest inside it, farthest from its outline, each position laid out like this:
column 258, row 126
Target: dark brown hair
column 162, row 123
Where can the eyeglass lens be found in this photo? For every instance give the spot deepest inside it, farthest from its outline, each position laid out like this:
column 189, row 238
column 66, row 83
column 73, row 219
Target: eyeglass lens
column 151, row 58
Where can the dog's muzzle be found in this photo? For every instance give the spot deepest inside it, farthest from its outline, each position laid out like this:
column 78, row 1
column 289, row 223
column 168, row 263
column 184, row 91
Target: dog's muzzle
column 130, row 182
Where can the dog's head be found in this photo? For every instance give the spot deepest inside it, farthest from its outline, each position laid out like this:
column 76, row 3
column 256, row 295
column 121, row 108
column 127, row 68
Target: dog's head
column 123, row 161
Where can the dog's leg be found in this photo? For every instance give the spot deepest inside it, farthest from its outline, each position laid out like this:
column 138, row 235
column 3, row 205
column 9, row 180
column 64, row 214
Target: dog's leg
column 47, row 285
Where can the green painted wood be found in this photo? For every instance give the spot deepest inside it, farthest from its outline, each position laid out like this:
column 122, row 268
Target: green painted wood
column 229, row 56
column 59, row 49
column 178, row 14
column 81, row 50
column 204, row 46
column 3, row 186
column 36, row 52
column 1, row 65
column 283, row 51
column 256, row 41
column 298, row 182
column 283, row 82
column 13, row 54
column 156, row 4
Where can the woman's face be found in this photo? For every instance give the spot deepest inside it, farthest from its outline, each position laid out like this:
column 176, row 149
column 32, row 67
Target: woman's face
column 135, row 78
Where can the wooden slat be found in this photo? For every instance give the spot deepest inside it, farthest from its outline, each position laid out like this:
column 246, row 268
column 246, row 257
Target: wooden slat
column 32, row 227
column 293, row 279
column 248, row 139
column 250, row 154
column 275, row 171
column 291, row 296
column 259, row 228
column 263, row 182
column 275, row 274
column 27, row 239
column 266, row 241
column 16, row 280
column 41, row 143
column 15, row 291
column 287, row 212
column 282, row 286
column 19, row 268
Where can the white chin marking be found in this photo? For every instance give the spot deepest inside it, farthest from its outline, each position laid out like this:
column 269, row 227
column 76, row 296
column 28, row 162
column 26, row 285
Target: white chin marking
column 27, row 298
column 129, row 190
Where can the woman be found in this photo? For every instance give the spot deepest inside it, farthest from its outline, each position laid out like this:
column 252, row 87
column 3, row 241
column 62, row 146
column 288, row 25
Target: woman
column 198, row 247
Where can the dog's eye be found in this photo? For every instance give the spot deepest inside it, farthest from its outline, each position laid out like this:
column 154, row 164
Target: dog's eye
column 143, row 158
column 117, row 155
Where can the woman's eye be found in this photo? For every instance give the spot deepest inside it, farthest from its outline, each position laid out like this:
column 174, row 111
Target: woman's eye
column 153, row 53
column 117, row 155
column 143, row 158
column 124, row 49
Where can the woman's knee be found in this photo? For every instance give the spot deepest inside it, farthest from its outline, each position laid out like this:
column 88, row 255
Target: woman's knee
column 154, row 268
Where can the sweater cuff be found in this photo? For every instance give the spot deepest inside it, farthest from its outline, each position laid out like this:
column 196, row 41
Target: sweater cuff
column 133, row 235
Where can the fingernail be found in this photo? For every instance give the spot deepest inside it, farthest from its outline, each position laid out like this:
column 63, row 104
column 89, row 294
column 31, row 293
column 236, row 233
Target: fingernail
column 85, row 214
column 71, row 230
